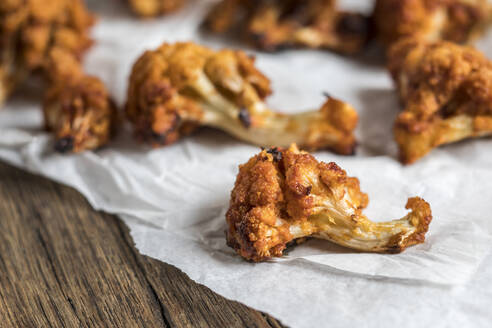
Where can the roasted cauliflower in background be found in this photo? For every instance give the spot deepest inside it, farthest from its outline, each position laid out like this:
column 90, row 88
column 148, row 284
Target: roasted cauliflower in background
column 152, row 8
column 77, row 108
column 181, row 86
column 49, row 38
column 285, row 195
column 432, row 20
column 276, row 24
column 446, row 90
column 30, row 29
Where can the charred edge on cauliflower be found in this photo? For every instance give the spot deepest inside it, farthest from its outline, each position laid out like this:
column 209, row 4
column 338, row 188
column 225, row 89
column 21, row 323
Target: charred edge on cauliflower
column 279, row 24
column 279, row 199
column 453, row 20
column 223, row 89
column 446, row 90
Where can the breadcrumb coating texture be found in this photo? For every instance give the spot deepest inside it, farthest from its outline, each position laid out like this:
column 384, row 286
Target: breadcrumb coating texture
column 284, row 195
column 181, row 86
column 446, row 90
column 273, row 25
column 453, row 20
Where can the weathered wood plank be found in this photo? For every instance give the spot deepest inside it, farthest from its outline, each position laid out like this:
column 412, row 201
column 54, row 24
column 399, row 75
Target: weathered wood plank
column 63, row 264
column 192, row 305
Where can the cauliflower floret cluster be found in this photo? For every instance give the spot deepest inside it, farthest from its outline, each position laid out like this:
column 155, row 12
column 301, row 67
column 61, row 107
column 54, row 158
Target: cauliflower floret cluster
column 278, row 24
column 30, row 30
column 49, row 38
column 446, row 90
column 285, row 195
column 77, row 108
column 453, row 20
column 181, row 86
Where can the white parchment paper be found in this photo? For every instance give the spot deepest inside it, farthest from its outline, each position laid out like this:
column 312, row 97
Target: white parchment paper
column 174, row 198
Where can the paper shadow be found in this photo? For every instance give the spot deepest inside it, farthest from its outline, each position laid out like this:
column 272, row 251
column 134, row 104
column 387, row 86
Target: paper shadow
column 113, row 9
column 204, row 137
column 377, row 117
column 227, row 256
column 373, row 56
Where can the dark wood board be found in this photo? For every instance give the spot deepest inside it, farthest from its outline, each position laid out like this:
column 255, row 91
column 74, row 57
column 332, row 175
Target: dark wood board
column 63, row 264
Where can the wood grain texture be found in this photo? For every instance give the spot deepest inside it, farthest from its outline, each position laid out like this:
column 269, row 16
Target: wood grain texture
column 62, row 264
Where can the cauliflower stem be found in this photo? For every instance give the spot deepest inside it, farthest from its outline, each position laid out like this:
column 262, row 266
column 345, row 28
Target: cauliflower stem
column 360, row 233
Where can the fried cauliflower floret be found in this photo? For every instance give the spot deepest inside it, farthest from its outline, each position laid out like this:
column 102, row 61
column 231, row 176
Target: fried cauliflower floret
column 180, row 86
column 453, row 20
column 272, row 25
column 30, row 29
column 285, row 195
column 77, row 108
column 152, row 8
column 446, row 90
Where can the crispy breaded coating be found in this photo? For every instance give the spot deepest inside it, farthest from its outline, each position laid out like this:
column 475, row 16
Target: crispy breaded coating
column 178, row 87
column 30, row 29
column 276, row 24
column 77, row 108
column 285, row 195
column 453, row 20
column 152, row 8
column 447, row 93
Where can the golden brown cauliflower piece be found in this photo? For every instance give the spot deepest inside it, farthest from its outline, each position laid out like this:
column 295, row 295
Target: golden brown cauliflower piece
column 181, row 86
column 447, row 93
column 432, row 20
column 285, row 195
column 77, row 108
column 152, row 8
column 30, row 29
column 276, row 24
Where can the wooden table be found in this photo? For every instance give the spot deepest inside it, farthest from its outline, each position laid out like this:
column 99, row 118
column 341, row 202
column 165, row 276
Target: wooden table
column 62, row 264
